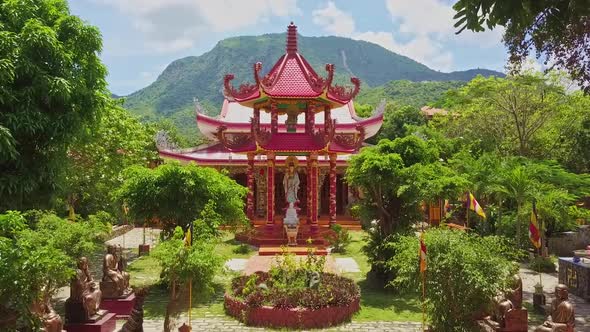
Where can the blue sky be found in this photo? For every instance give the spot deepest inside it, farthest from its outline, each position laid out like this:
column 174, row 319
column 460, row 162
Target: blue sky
column 141, row 37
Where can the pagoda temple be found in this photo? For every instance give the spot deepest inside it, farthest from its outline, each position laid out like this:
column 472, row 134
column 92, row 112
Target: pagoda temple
column 290, row 120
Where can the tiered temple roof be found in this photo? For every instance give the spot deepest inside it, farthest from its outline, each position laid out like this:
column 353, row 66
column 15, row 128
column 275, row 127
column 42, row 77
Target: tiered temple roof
column 290, row 111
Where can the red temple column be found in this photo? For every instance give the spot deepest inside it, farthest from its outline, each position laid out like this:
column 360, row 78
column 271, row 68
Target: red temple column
column 314, row 191
column 308, row 190
column 274, row 118
column 250, row 182
column 270, row 190
column 333, row 157
column 327, row 119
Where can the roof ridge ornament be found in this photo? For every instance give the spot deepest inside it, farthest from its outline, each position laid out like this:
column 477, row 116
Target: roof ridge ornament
column 292, row 38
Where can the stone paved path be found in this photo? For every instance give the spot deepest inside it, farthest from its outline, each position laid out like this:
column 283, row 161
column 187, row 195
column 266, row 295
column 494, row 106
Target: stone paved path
column 133, row 238
column 530, row 278
column 263, row 263
column 223, row 324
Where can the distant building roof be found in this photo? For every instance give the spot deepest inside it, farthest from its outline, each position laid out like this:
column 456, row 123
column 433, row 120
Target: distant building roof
column 429, row 112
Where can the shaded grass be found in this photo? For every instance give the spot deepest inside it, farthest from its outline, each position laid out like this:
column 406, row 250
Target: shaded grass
column 145, row 272
column 378, row 304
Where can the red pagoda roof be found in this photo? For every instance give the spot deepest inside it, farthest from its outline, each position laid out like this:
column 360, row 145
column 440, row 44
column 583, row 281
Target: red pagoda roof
column 291, row 77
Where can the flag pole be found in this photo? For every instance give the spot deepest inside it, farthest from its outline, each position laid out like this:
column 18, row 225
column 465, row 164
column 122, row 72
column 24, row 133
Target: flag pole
column 424, row 301
column 467, row 210
column 423, row 286
column 190, row 283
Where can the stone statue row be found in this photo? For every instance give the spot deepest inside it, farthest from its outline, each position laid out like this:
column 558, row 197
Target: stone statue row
column 509, row 315
column 83, row 305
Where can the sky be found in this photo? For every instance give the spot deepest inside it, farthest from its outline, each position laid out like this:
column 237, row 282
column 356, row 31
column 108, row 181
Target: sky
column 141, row 37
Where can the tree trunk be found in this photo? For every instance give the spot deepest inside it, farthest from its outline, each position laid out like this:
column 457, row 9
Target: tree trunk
column 518, row 224
column 170, row 306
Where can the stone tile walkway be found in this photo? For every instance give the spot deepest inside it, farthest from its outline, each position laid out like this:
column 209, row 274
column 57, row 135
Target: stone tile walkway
column 133, row 238
column 550, row 280
column 263, row 263
column 347, row 264
column 223, row 324
column 236, row 264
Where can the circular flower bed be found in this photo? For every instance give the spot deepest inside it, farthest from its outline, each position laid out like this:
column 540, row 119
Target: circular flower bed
column 257, row 301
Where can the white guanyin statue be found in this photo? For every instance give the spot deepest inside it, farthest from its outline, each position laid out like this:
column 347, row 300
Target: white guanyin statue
column 291, row 184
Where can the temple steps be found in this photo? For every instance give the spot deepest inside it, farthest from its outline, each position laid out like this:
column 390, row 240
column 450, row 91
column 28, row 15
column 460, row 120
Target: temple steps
column 268, row 250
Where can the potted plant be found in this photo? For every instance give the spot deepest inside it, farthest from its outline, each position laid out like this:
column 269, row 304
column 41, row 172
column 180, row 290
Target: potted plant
column 538, row 297
column 144, row 248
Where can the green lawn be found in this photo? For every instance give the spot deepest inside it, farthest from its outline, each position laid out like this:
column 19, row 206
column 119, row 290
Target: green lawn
column 376, row 304
column 145, row 272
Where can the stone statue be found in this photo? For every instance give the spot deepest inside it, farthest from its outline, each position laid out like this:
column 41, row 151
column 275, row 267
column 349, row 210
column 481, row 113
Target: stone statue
column 291, row 184
column 115, row 281
column 514, row 294
column 562, row 318
column 85, row 296
column 135, row 321
column 507, row 313
column 51, row 320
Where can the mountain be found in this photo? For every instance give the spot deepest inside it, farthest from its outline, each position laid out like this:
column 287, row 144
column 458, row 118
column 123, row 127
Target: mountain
column 405, row 92
column 202, row 76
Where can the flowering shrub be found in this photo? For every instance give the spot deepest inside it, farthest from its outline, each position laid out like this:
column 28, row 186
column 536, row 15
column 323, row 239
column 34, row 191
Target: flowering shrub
column 259, row 289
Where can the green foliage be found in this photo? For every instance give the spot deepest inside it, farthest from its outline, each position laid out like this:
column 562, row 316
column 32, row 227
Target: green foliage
column 508, row 185
column 181, row 263
column 290, row 274
column 464, row 272
column 37, row 256
column 555, row 29
column 99, row 155
column 396, row 176
column 397, row 121
column 340, row 240
column 527, row 115
column 543, row 264
column 52, row 84
column 175, row 195
column 407, row 93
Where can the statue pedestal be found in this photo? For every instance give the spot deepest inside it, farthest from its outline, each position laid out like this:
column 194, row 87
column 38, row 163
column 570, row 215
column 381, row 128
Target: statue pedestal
column 108, row 323
column 120, row 306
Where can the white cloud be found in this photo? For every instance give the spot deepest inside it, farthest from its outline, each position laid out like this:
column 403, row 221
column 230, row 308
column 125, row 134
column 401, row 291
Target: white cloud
column 334, row 20
column 426, row 26
column 174, row 25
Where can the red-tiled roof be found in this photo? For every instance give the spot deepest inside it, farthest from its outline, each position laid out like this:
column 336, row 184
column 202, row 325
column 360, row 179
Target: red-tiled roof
column 292, row 78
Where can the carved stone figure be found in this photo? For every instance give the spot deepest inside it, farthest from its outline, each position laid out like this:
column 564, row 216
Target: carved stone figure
column 562, row 316
column 135, row 321
column 115, row 281
column 51, row 320
column 85, row 296
column 515, row 293
column 508, row 314
column 291, row 184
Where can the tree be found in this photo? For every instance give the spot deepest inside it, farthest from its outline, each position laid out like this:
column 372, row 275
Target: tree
column 99, row 155
column 182, row 264
column 558, row 30
column 52, row 83
column 177, row 195
column 38, row 256
column 507, row 115
column 465, row 272
column 398, row 119
column 396, row 177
